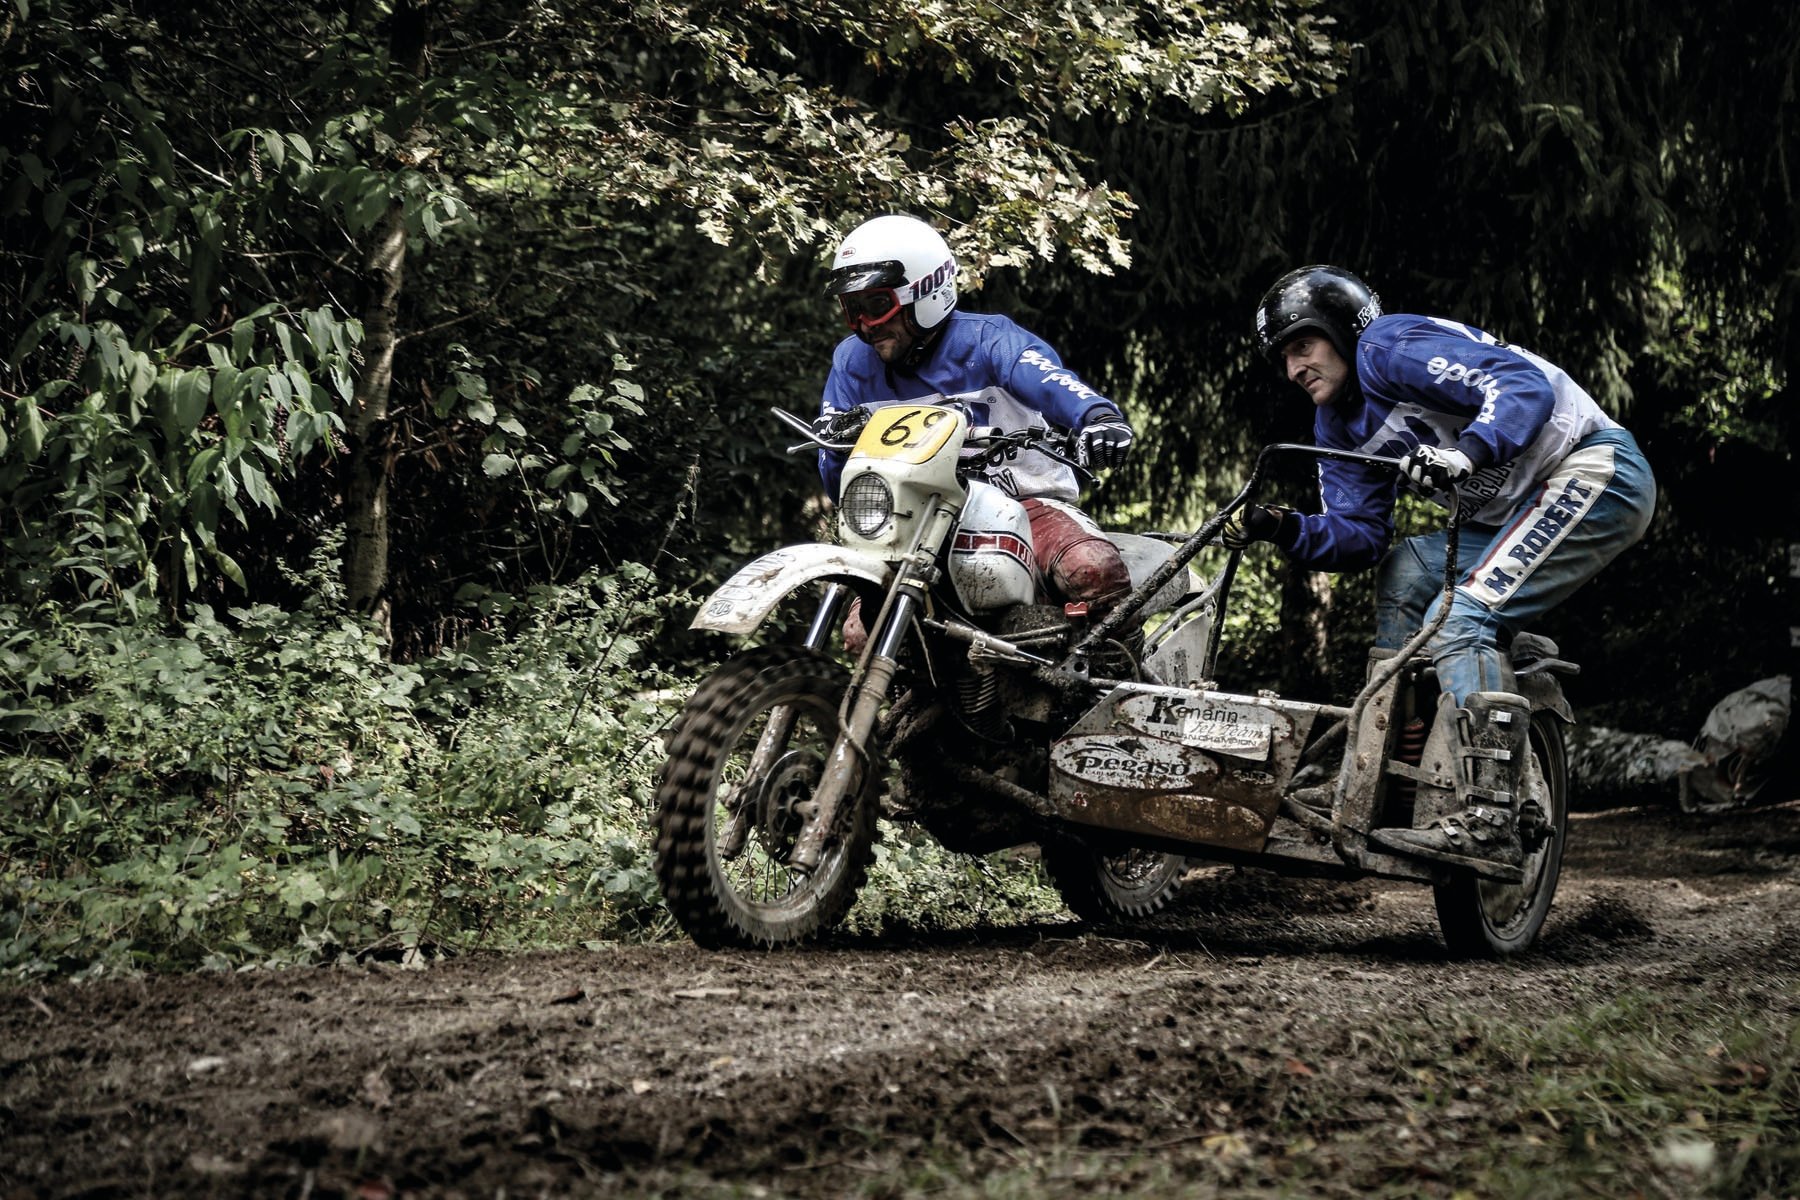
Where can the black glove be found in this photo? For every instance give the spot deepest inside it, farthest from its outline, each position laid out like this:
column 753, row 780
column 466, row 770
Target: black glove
column 1436, row 468
column 1104, row 443
column 1251, row 523
column 841, row 427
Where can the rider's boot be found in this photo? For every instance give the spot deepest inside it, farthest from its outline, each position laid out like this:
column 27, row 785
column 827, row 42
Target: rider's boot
column 1492, row 735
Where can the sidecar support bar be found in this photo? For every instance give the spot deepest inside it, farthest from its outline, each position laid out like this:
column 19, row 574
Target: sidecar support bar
column 1129, row 607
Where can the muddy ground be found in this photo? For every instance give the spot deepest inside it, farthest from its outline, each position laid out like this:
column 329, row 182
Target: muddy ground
column 1270, row 1037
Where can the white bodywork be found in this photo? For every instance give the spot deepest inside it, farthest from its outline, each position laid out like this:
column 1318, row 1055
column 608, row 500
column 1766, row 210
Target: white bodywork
column 745, row 600
column 992, row 563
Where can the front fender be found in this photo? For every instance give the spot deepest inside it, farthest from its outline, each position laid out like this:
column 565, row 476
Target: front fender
column 747, row 598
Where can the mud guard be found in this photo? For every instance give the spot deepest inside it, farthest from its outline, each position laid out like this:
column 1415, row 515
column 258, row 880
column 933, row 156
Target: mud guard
column 745, row 600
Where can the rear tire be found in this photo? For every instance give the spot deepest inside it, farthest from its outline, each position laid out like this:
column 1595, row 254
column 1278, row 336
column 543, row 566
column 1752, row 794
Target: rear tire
column 1484, row 919
column 1104, row 888
column 747, row 896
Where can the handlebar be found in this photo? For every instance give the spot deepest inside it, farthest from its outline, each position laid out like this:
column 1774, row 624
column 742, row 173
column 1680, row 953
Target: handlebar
column 985, row 445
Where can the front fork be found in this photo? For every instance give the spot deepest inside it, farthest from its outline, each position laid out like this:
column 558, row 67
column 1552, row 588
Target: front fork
column 844, row 773
column 850, row 756
column 770, row 746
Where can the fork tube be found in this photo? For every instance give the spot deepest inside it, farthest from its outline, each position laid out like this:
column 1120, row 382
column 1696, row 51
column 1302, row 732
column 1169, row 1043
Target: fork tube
column 825, row 620
column 775, row 734
column 850, row 756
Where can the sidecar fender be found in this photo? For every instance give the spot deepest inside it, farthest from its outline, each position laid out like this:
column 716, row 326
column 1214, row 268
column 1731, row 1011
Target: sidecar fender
column 747, row 598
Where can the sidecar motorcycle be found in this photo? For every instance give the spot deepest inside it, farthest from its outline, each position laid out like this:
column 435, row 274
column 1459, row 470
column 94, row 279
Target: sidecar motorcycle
column 992, row 716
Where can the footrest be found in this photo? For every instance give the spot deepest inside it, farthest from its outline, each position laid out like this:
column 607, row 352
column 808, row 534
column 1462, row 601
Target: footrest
column 1484, row 867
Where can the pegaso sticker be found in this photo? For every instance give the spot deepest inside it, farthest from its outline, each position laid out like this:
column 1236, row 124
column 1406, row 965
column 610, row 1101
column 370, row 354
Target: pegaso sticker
column 1242, row 730
column 1135, row 763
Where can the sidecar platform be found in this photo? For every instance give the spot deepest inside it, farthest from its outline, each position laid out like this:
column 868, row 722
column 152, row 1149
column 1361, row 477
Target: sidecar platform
column 1206, row 773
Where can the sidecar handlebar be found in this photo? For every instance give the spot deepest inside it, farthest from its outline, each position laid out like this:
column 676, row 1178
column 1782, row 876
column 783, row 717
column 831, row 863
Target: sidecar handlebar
column 1267, row 452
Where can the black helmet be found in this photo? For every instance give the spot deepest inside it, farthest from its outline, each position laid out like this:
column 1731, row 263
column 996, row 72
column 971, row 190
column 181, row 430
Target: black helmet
column 1329, row 300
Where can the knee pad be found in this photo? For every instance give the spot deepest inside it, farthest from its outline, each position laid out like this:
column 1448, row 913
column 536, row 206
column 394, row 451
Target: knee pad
column 1091, row 571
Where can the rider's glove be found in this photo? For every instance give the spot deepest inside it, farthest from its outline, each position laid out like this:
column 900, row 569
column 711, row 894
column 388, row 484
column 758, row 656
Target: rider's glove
column 1104, row 443
column 840, row 427
column 1251, row 523
column 1435, row 467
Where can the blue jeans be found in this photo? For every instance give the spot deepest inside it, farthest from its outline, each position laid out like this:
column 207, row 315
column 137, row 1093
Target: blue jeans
column 1596, row 503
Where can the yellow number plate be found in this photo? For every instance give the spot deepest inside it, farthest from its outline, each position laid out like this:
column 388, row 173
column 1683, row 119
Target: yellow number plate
column 910, row 433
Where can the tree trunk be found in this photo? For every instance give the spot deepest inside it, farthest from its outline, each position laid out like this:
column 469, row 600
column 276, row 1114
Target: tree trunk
column 1305, row 646
column 371, row 458
column 366, row 501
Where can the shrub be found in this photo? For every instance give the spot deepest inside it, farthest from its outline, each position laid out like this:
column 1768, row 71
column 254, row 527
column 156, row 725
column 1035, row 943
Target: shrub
column 265, row 786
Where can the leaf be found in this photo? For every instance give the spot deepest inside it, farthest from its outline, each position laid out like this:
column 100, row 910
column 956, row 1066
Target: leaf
column 243, row 340
column 189, row 396
column 369, row 206
column 31, row 428
column 201, row 469
column 558, row 474
column 496, row 465
column 84, row 276
column 256, row 486
column 576, row 503
column 130, row 241
column 228, row 565
column 28, row 341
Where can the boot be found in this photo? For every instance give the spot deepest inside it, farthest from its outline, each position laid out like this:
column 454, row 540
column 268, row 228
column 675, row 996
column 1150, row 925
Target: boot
column 1494, row 733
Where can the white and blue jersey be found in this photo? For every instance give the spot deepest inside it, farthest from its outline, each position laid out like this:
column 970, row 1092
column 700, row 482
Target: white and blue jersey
column 997, row 372
column 1429, row 381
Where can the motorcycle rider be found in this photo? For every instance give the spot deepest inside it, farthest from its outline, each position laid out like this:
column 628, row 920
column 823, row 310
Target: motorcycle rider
column 895, row 282
column 1551, row 489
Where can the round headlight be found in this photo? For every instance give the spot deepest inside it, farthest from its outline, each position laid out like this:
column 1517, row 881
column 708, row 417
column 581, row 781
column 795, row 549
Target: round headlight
column 867, row 504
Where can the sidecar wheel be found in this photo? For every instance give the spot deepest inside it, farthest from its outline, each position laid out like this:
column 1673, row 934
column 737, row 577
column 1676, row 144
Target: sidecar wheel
column 1101, row 888
column 723, row 836
column 1484, row 919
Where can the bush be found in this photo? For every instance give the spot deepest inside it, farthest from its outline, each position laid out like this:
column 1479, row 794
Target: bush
column 265, row 786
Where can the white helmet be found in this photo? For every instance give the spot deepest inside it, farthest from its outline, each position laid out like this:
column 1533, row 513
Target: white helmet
column 903, row 254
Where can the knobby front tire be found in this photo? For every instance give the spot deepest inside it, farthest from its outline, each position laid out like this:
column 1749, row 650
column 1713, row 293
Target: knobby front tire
column 746, row 896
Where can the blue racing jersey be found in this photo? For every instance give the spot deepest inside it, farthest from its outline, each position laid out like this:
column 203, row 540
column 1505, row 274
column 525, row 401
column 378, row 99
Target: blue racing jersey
column 997, row 372
column 1432, row 382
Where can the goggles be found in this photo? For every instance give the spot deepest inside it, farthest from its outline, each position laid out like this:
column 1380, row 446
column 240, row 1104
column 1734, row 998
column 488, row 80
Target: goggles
column 872, row 307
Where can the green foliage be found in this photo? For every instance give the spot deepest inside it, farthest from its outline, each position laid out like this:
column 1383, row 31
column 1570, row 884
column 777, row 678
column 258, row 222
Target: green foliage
column 202, row 246
column 916, row 884
column 265, row 786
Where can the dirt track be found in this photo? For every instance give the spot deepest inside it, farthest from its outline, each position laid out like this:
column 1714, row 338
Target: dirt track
column 1271, row 1036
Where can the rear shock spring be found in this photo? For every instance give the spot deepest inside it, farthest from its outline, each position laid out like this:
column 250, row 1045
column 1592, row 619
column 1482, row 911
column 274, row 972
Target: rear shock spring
column 1410, row 751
